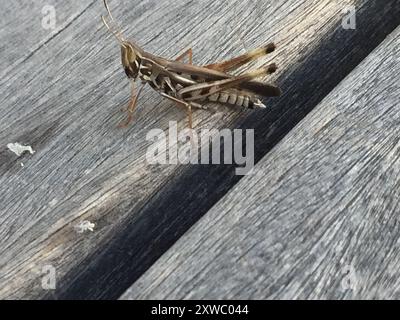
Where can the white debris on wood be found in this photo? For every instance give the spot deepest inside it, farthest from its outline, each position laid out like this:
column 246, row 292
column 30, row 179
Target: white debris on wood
column 19, row 149
column 84, row 226
column 53, row 203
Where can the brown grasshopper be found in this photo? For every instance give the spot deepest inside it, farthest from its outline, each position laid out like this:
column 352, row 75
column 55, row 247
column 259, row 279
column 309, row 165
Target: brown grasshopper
column 188, row 85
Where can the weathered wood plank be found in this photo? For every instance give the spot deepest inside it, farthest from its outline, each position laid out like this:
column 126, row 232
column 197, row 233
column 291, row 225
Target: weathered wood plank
column 20, row 17
column 320, row 217
column 63, row 99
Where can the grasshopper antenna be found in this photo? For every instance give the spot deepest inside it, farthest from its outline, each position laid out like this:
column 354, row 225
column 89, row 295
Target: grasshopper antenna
column 114, row 29
column 108, row 10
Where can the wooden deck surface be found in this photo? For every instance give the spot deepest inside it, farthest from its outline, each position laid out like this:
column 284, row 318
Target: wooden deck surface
column 61, row 94
column 320, row 218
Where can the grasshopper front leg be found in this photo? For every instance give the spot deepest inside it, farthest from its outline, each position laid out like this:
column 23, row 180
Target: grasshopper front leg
column 132, row 104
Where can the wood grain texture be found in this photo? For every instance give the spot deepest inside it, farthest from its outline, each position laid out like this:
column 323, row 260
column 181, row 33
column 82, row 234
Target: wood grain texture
column 61, row 94
column 320, row 217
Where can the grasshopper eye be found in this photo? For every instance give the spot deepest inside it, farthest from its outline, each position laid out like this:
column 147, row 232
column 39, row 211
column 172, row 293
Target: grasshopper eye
column 128, row 59
column 131, row 55
column 128, row 54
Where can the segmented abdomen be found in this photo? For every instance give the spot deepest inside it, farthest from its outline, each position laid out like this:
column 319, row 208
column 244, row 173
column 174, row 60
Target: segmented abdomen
column 236, row 98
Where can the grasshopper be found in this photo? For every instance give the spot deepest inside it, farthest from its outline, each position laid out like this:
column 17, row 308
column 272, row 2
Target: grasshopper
column 191, row 86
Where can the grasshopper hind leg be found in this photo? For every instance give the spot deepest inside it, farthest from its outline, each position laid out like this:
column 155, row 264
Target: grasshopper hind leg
column 233, row 64
column 188, row 53
column 187, row 105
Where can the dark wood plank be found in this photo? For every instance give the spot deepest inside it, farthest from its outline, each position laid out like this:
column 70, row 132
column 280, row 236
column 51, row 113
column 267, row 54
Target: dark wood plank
column 318, row 219
column 63, row 99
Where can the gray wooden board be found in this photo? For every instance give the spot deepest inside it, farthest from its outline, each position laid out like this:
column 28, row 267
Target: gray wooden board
column 320, row 216
column 61, row 92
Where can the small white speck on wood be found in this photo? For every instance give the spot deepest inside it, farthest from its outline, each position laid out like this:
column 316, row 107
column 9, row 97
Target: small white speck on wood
column 84, row 226
column 19, row 149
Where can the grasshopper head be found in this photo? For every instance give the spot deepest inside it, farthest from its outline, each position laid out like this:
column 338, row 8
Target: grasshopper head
column 129, row 59
column 129, row 52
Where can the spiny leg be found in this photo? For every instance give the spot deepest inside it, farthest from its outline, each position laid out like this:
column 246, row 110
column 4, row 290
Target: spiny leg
column 188, row 53
column 182, row 103
column 190, row 116
column 190, row 120
column 132, row 105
